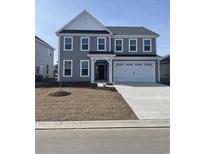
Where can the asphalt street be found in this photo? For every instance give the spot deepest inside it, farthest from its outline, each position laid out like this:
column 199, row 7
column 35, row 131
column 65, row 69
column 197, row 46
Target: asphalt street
column 103, row 141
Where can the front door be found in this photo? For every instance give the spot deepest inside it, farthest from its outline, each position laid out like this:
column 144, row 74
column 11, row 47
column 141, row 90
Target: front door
column 101, row 71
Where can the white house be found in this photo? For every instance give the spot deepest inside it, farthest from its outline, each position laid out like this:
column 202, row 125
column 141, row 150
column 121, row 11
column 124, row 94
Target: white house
column 43, row 58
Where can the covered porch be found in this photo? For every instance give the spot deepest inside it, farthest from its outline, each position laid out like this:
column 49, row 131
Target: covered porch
column 101, row 68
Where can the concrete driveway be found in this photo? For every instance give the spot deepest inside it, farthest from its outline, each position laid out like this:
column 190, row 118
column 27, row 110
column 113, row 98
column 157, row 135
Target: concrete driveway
column 147, row 100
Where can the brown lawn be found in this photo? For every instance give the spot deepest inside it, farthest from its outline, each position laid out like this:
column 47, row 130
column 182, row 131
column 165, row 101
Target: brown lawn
column 82, row 104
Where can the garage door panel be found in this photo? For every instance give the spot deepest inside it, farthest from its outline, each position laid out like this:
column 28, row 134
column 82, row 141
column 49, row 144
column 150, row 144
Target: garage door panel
column 134, row 72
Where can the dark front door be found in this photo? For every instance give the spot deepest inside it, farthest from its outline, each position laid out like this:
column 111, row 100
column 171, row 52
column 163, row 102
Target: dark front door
column 101, row 71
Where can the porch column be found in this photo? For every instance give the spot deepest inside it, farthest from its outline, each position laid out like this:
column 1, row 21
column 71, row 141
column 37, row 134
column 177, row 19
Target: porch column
column 110, row 70
column 92, row 70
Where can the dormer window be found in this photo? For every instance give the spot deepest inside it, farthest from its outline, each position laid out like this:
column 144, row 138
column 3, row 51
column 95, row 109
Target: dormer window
column 101, row 43
column 68, row 43
column 85, row 41
column 147, row 45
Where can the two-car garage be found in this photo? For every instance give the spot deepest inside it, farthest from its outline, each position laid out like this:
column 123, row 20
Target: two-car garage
column 134, row 71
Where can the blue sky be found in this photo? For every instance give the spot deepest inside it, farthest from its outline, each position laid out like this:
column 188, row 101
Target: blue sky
column 51, row 15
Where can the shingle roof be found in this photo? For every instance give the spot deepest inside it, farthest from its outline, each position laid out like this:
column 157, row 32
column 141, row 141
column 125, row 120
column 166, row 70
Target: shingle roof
column 123, row 30
column 165, row 58
column 85, row 31
column 36, row 37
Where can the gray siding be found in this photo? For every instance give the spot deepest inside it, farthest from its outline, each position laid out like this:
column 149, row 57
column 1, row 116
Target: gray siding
column 165, row 73
column 76, row 55
column 139, row 47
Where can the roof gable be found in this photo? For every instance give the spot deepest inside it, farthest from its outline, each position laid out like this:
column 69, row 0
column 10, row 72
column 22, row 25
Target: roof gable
column 84, row 21
column 43, row 42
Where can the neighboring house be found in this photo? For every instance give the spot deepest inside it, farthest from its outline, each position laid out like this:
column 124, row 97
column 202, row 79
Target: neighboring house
column 92, row 52
column 43, row 58
column 55, row 70
column 165, row 69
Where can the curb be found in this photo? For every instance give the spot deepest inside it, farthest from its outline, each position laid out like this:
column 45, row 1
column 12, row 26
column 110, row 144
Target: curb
column 50, row 125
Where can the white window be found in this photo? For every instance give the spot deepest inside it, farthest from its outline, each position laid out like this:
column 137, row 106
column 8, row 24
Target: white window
column 68, row 43
column 67, row 68
column 147, row 45
column 101, row 43
column 118, row 45
column 132, row 45
column 85, row 41
column 84, row 68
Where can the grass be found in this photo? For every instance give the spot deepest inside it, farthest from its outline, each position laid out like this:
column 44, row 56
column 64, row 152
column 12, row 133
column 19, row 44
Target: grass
column 82, row 104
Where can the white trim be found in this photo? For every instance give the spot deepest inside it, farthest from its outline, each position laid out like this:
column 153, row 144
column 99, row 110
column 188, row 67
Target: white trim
column 71, row 68
column 115, row 46
column 150, row 45
column 147, row 62
column 84, row 35
column 101, row 55
column 78, row 16
column 82, row 44
column 98, row 43
column 92, row 70
column 109, row 43
column 71, row 43
column 82, row 68
column 110, row 70
column 158, row 70
column 93, row 60
column 136, row 58
column 136, row 45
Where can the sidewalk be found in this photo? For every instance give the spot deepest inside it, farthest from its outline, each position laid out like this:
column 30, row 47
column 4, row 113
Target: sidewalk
column 163, row 123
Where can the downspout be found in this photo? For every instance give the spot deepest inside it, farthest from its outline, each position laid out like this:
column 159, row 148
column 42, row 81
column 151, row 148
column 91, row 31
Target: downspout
column 159, row 70
column 58, row 58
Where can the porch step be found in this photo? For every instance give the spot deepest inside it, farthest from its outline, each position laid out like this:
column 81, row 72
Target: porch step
column 101, row 84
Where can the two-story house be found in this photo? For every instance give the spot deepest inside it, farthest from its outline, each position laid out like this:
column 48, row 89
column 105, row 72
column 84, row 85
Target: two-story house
column 91, row 52
column 44, row 54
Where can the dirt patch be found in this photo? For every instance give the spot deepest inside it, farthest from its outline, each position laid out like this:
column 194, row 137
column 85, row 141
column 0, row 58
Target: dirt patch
column 83, row 104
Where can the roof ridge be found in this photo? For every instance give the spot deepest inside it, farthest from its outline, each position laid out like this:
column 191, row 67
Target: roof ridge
column 125, row 26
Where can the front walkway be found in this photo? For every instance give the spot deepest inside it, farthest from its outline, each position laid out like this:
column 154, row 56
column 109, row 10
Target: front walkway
column 147, row 100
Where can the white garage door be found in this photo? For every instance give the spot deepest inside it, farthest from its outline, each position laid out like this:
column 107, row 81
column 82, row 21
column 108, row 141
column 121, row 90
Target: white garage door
column 134, row 71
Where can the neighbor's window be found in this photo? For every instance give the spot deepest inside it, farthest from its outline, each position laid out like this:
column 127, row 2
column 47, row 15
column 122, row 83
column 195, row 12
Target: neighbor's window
column 67, row 68
column 118, row 44
column 68, row 43
column 101, row 43
column 132, row 45
column 84, row 43
column 147, row 45
column 84, row 68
